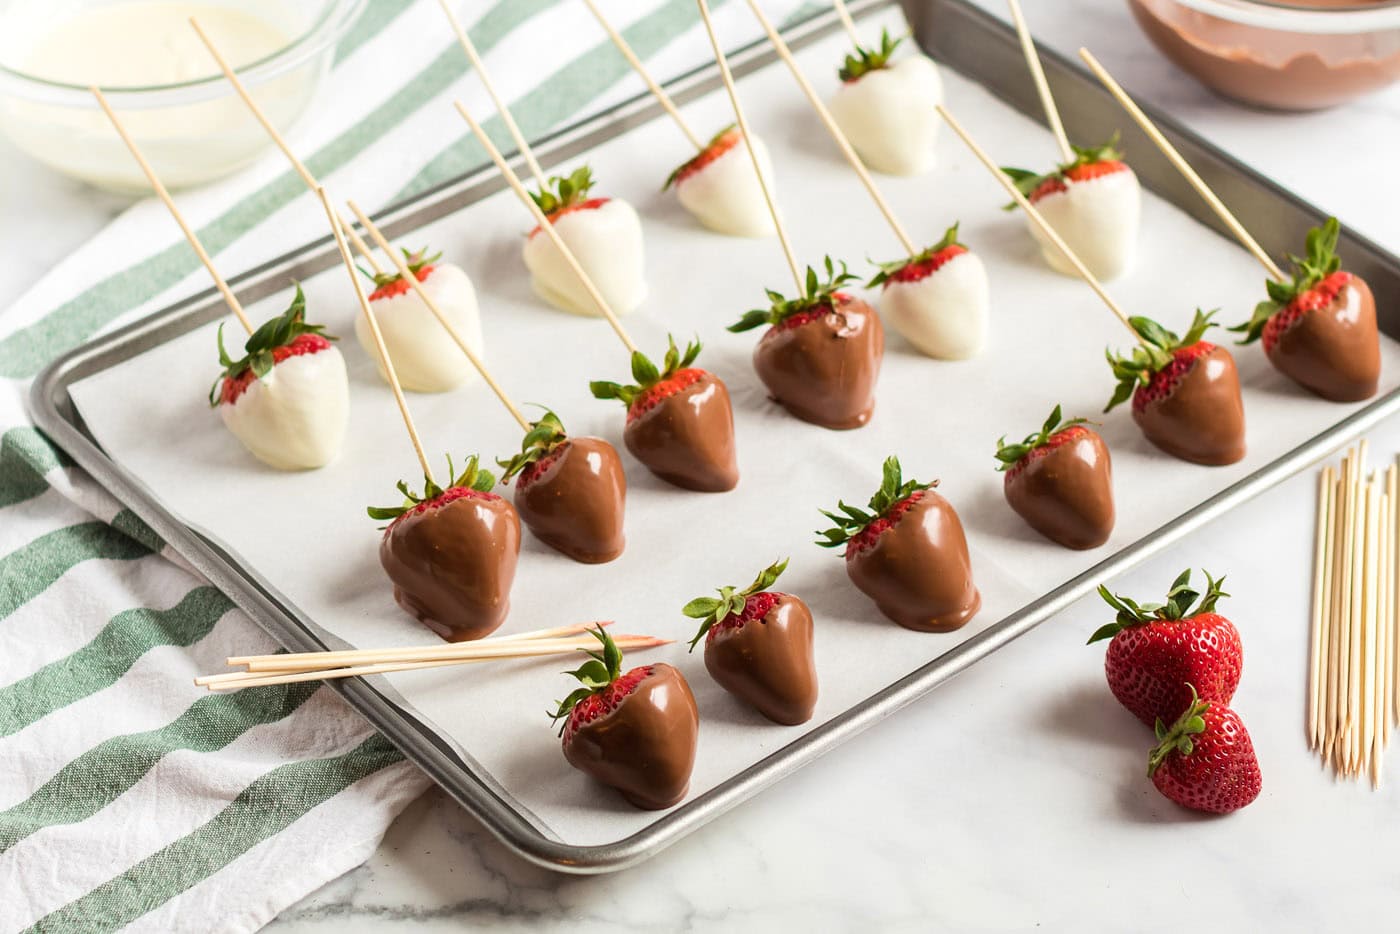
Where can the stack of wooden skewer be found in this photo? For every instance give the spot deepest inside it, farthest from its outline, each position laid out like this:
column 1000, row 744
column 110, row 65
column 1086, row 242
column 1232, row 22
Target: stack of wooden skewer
column 284, row 668
column 1355, row 640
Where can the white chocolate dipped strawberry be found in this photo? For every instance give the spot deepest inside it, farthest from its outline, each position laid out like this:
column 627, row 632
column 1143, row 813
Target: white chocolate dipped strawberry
column 886, row 108
column 605, row 236
column 720, row 188
column 288, row 398
column 1094, row 203
column 425, row 357
column 937, row 299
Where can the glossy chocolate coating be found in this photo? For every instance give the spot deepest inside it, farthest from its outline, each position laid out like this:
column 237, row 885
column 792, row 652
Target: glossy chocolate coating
column 1067, row 494
column 645, row 747
column 688, row 438
column 1334, row 351
column 768, row 662
column 453, row 565
column 918, row 572
column 575, row 503
column 1202, row 419
column 825, row 370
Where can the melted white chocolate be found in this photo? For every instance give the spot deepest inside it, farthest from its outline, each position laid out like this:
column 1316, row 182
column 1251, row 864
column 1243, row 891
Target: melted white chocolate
column 888, row 115
column 1098, row 219
column 425, row 357
column 607, row 241
column 725, row 195
column 944, row 314
column 294, row 417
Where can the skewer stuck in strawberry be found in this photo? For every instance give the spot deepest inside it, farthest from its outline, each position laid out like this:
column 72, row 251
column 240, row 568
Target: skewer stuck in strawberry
column 1060, row 480
column 287, row 398
column 633, row 731
column 1320, row 329
column 1205, row 760
column 820, row 357
column 758, row 647
column 1185, row 392
column 719, row 187
column 937, row 299
column 885, row 107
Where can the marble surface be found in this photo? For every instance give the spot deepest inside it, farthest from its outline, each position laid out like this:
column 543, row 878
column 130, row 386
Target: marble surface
column 1013, row 797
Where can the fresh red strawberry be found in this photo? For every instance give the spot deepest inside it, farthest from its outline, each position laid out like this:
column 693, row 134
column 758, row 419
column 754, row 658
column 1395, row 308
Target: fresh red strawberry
column 390, row 284
column 758, row 646
column 1060, row 481
column 1205, row 761
column 287, row 335
column 567, row 196
column 1089, row 163
column 1159, row 650
column 633, row 731
column 723, row 141
column 921, row 266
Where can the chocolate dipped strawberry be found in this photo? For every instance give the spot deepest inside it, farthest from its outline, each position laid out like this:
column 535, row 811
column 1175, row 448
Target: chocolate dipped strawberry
column 1060, row 480
column 634, row 731
column 820, row 357
column 1205, row 760
column 571, row 492
column 719, row 187
column 886, row 106
column 1185, row 392
column 451, row 553
column 937, row 299
column 287, row 398
column 758, row 647
column 908, row 554
column 679, row 420
column 1319, row 330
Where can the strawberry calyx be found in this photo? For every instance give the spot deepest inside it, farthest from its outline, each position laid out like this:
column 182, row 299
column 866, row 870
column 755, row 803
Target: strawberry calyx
column 540, row 442
column 922, row 264
column 863, row 60
column 563, row 192
column 1158, row 350
column 713, row 611
column 472, row 480
column 1035, row 185
column 1013, row 455
column 1178, row 606
column 597, row 676
column 1309, row 272
column 652, row 383
column 817, row 294
column 260, row 350
column 1177, row 738
column 888, row 503
column 390, row 284
column 719, row 144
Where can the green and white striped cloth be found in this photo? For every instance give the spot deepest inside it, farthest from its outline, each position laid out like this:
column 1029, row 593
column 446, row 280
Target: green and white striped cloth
column 127, row 796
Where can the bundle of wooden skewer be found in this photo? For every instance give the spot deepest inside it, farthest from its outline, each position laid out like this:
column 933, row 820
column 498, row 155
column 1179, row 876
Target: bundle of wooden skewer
column 285, row 668
column 1353, row 701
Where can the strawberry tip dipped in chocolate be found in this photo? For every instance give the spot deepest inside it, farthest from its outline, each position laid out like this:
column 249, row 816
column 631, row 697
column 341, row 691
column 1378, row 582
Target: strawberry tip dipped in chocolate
column 1205, row 760
column 1094, row 202
column 604, row 235
column 570, row 492
column 820, row 357
column 1157, row 650
column 720, row 188
column 1185, row 392
column 634, row 731
column 758, row 646
column 937, row 299
column 885, row 106
column 680, row 423
column 287, row 398
column 423, row 354
column 1320, row 328
column 908, row 553
column 1060, row 480
column 451, row 553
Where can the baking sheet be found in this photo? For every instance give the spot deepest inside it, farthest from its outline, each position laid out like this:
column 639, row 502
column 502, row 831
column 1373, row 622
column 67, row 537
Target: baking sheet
column 307, row 536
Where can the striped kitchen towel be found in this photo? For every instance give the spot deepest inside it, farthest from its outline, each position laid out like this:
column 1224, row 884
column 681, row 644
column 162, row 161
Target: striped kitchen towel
column 128, row 797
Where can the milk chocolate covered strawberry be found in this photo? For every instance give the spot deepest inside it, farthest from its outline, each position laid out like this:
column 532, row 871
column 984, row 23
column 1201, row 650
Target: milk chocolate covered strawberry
column 1061, row 482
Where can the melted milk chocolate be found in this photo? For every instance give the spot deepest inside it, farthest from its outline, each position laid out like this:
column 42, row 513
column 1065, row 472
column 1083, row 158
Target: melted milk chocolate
column 575, row 503
column 688, row 438
column 768, row 662
column 824, row 371
column 1067, row 494
column 1334, row 351
column 1202, row 419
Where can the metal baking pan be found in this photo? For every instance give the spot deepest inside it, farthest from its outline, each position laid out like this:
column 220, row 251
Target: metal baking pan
column 959, row 36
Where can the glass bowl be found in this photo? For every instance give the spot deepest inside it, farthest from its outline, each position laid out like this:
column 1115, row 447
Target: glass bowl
column 192, row 128
column 1284, row 55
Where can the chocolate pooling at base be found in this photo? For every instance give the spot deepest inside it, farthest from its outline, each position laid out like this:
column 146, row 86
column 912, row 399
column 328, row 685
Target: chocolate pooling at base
column 824, row 370
column 768, row 662
column 576, row 501
column 688, row 438
column 1334, row 350
column 1066, row 494
column 1202, row 419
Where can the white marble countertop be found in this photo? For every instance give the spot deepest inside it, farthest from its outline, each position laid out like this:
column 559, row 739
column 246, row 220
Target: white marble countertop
column 1013, row 797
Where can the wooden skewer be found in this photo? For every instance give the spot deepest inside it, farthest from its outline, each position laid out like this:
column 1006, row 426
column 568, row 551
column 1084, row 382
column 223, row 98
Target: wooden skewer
column 846, row 21
column 1351, row 730
column 480, row 68
column 488, row 648
column 1340, row 581
column 657, row 91
column 407, row 275
column 1367, row 643
column 307, row 178
column 785, row 53
column 229, row 298
column 1393, row 612
column 1039, row 221
column 548, row 229
column 1380, row 646
column 753, row 154
column 1184, row 167
column 1321, row 552
column 390, row 374
column 1042, row 87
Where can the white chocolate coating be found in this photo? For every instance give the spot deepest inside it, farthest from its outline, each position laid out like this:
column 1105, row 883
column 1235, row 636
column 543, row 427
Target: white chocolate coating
column 425, row 356
column 944, row 314
column 607, row 240
column 1098, row 219
column 294, row 417
column 725, row 195
column 888, row 115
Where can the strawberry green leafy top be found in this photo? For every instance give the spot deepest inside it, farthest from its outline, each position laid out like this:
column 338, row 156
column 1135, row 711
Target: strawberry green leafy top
column 710, row 610
column 596, row 674
column 471, row 478
column 1177, row 737
column 414, row 260
column 646, row 373
column 275, row 333
column 950, row 238
column 1152, row 356
column 816, row 293
column 543, row 437
column 1322, row 260
column 851, row 521
column 1178, row 605
column 1010, row 454
column 563, row 192
column 1027, row 181
column 864, row 60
